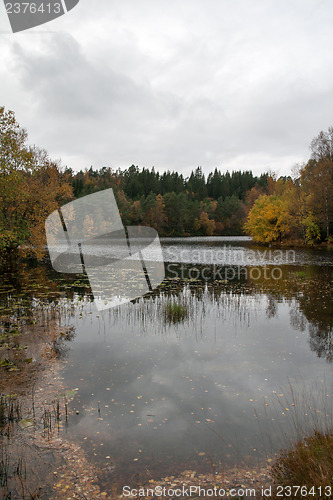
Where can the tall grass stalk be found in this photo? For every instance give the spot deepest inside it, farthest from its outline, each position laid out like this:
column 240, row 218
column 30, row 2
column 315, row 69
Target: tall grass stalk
column 303, row 424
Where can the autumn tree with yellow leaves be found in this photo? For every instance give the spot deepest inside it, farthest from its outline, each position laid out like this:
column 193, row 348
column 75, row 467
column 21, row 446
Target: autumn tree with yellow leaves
column 300, row 208
column 269, row 219
column 31, row 187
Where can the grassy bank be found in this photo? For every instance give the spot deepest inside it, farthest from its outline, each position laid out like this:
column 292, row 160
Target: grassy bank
column 307, row 463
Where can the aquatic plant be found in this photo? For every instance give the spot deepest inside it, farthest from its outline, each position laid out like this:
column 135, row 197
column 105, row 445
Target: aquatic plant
column 175, row 312
column 4, row 469
column 10, row 410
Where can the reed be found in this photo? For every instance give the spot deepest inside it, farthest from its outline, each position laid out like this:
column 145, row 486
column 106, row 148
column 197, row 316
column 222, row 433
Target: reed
column 175, row 312
column 308, row 462
column 10, row 411
column 304, row 422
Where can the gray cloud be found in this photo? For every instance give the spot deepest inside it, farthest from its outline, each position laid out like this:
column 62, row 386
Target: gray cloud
column 175, row 85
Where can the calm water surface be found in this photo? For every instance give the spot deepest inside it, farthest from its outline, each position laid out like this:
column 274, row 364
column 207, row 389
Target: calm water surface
column 229, row 380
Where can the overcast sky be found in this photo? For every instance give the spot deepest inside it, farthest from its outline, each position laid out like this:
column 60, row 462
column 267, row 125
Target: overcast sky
column 233, row 84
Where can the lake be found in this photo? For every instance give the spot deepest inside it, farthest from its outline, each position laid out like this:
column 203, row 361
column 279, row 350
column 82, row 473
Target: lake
column 224, row 363
column 228, row 377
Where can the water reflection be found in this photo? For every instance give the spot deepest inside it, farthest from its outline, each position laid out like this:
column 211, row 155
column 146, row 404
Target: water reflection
column 223, row 250
column 202, row 387
column 199, row 371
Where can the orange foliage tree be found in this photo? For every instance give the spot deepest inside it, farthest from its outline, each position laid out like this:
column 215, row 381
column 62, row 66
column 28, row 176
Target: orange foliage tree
column 31, row 187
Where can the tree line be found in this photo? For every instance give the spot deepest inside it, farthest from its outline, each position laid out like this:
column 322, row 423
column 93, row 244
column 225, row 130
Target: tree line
column 172, row 204
column 298, row 208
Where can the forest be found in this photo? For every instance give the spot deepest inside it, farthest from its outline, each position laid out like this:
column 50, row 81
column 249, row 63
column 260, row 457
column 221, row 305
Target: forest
column 296, row 209
column 172, row 204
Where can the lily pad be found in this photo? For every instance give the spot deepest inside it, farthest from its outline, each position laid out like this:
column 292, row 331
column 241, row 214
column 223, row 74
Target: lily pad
column 26, row 422
column 69, row 394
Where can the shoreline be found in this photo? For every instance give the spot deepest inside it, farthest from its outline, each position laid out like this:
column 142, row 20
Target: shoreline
column 35, row 440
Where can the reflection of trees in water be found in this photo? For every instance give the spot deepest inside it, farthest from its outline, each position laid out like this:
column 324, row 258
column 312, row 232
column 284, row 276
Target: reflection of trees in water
column 310, row 294
column 297, row 318
column 272, row 306
column 321, row 341
column 40, row 295
column 316, row 304
column 321, row 334
column 60, row 345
